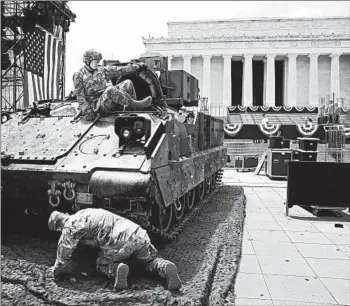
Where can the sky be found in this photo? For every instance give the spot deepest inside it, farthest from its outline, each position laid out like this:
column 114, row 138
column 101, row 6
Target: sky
column 116, row 28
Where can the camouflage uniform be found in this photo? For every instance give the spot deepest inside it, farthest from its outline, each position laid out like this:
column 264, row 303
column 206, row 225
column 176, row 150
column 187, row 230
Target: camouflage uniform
column 118, row 239
column 90, row 86
column 88, row 83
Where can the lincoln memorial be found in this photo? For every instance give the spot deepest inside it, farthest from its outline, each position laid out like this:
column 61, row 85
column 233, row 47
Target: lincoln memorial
column 264, row 61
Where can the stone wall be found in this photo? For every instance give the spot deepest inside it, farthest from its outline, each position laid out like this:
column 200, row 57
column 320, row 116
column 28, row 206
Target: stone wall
column 262, row 38
column 259, row 27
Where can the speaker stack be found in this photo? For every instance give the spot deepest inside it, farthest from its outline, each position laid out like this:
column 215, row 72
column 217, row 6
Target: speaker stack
column 307, row 149
column 278, row 157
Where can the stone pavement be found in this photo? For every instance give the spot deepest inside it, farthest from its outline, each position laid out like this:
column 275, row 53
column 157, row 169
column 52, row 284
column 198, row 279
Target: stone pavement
column 248, row 179
column 297, row 260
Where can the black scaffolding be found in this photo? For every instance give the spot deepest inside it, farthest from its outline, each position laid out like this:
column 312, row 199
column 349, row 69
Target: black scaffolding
column 17, row 19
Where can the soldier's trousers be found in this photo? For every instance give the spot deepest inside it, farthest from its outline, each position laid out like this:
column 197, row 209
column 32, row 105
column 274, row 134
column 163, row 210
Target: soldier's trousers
column 113, row 97
column 140, row 248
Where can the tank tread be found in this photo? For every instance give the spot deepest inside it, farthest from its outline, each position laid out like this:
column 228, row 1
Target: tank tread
column 179, row 228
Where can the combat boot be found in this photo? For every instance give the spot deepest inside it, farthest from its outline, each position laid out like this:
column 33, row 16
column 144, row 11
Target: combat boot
column 167, row 270
column 135, row 104
column 121, row 277
column 113, row 98
column 172, row 277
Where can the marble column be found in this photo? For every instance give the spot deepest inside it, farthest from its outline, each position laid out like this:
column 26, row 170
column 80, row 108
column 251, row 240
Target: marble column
column 335, row 76
column 170, row 57
column 313, row 80
column 227, row 88
column 292, row 79
column 206, row 77
column 270, row 79
column 248, row 80
column 187, row 62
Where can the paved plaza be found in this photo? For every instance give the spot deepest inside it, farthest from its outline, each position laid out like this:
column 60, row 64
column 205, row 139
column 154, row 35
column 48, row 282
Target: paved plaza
column 297, row 260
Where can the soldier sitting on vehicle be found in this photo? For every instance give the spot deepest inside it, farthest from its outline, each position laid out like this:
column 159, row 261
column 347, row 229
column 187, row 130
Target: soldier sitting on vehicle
column 118, row 239
column 92, row 93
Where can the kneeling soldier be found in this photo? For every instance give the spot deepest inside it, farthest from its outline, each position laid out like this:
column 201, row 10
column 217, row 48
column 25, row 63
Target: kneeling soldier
column 118, row 238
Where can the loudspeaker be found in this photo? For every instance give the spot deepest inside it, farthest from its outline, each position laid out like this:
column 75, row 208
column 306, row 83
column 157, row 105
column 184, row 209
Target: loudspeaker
column 308, row 144
column 318, row 184
column 306, row 155
column 276, row 142
column 277, row 163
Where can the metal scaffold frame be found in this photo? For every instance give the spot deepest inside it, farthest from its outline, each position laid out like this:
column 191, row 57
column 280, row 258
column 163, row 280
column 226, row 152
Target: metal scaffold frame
column 12, row 78
column 13, row 43
column 335, row 143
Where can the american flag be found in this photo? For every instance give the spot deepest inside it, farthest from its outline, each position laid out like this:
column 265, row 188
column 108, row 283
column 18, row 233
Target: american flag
column 43, row 54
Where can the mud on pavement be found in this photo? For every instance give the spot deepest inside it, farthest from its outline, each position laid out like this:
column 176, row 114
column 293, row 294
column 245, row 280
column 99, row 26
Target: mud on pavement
column 206, row 253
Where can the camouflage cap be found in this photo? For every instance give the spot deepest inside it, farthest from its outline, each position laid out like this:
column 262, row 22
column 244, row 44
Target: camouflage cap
column 54, row 219
column 90, row 55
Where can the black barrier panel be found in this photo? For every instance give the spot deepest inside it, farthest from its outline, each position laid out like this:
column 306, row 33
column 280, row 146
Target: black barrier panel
column 318, row 184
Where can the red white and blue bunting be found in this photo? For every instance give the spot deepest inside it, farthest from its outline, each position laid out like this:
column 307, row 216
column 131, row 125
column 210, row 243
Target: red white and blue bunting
column 273, row 109
column 283, row 109
column 269, row 129
column 276, row 108
column 265, row 108
column 287, row 108
column 242, row 108
column 306, row 129
column 311, row 108
column 232, row 129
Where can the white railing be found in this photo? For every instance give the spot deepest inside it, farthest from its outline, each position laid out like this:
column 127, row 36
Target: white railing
column 217, row 110
column 237, row 147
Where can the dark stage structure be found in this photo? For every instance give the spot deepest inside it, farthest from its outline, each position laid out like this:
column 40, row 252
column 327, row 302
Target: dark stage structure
column 18, row 20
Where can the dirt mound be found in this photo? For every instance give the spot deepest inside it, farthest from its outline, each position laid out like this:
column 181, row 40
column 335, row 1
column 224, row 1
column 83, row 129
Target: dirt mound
column 207, row 254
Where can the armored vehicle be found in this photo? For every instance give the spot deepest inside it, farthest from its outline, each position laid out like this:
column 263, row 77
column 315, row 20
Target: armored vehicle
column 152, row 166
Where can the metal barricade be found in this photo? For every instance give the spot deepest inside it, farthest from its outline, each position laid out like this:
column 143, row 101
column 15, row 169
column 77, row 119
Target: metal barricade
column 239, row 147
column 335, row 149
column 246, row 147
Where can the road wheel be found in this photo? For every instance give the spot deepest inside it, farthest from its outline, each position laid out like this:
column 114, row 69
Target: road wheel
column 191, row 199
column 207, row 183
column 200, row 191
column 179, row 207
column 165, row 218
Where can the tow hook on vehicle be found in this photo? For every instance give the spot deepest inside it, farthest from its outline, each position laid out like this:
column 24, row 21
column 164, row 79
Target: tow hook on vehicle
column 54, row 193
column 69, row 193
